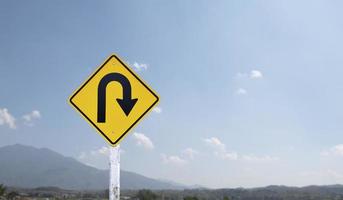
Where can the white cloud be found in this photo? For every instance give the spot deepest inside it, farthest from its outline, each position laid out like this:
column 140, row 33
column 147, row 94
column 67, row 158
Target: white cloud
column 143, row 140
column 335, row 174
column 221, row 152
column 253, row 74
column 241, row 91
column 98, row 158
column 6, row 118
column 157, row 109
column 103, row 151
column 172, row 159
column 256, row 74
column 189, row 153
column 30, row 117
column 227, row 155
column 336, row 150
column 220, row 149
column 323, row 174
column 216, row 143
column 140, row 66
column 259, row 158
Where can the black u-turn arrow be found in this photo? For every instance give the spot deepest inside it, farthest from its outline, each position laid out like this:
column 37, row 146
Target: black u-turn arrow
column 126, row 103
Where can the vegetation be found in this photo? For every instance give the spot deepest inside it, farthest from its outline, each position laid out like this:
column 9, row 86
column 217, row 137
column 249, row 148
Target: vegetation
column 190, row 198
column 2, row 190
column 333, row 192
column 12, row 195
column 146, row 195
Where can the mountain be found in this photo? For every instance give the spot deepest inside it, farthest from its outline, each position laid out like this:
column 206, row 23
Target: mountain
column 29, row 167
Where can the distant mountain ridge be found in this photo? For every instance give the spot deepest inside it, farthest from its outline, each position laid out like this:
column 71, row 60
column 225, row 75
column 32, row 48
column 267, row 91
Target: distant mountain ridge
column 30, row 167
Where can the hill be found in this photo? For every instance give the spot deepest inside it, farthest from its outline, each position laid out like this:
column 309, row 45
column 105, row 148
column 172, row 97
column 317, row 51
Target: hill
column 29, row 167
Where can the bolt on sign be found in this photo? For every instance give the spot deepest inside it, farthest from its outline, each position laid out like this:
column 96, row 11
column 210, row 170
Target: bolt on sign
column 113, row 99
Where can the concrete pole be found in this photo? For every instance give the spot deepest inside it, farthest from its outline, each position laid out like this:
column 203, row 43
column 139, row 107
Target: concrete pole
column 114, row 189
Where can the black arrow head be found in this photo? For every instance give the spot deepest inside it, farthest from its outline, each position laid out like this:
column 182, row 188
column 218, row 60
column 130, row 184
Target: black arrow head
column 127, row 105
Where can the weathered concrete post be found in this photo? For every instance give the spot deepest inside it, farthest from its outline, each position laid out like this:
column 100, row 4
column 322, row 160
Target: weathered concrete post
column 114, row 189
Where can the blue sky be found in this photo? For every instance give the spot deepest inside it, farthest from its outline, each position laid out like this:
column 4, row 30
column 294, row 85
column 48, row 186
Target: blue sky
column 250, row 90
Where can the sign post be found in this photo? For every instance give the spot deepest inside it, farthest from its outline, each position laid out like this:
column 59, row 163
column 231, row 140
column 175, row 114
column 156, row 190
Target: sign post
column 114, row 189
column 113, row 100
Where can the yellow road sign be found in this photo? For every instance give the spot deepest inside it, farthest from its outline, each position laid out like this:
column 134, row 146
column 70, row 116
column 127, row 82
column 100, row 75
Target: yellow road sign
column 113, row 99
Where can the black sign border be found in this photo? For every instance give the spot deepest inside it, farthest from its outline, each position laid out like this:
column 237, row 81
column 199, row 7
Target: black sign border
column 84, row 115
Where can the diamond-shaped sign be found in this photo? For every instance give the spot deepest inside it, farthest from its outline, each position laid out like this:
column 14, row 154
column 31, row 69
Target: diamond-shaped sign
column 113, row 99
